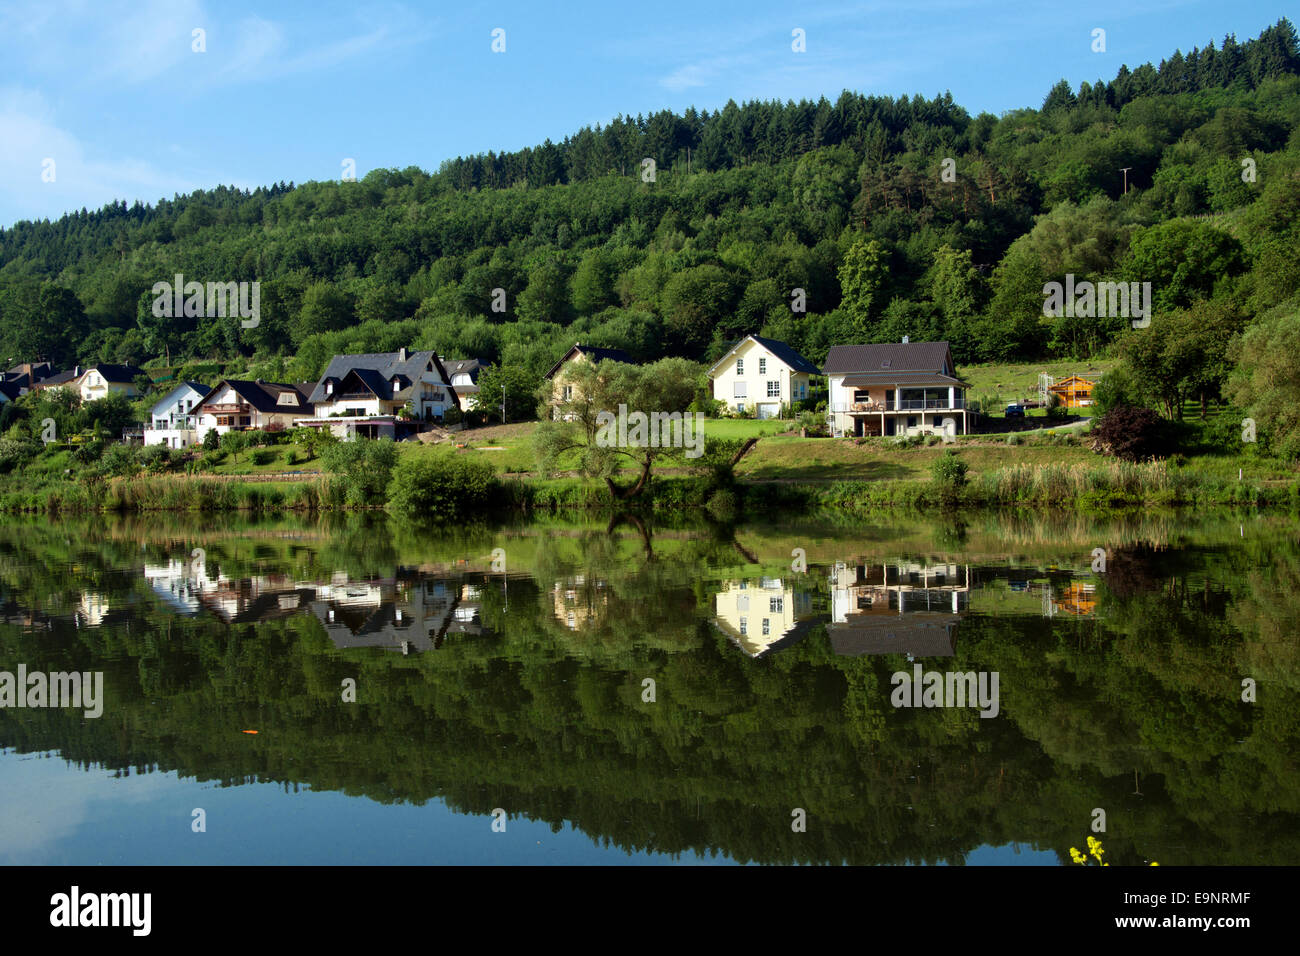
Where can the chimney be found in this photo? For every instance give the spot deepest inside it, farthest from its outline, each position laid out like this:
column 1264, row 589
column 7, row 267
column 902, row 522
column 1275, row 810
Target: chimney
column 401, row 354
column 904, row 339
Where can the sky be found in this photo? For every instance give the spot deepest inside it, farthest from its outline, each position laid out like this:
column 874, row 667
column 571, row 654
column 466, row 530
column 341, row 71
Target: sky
column 102, row 100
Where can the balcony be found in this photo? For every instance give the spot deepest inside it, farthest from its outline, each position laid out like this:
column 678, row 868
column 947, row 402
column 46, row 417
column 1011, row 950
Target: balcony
column 907, row 405
column 235, row 408
column 177, row 423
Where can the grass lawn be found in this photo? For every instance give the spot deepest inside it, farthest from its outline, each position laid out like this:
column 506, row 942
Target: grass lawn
column 796, row 459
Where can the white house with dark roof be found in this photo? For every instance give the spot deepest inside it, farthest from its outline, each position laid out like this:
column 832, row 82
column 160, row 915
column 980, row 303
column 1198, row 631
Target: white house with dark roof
column 895, row 388
column 464, row 379
column 762, row 373
column 373, row 395
column 172, row 421
column 237, row 405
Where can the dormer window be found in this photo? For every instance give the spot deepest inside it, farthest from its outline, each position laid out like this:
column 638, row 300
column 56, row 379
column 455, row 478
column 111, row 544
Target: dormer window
column 329, row 388
column 886, row 363
column 287, row 398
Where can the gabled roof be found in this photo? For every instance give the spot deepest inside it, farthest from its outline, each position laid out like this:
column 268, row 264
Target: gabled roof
column 593, row 354
column 385, row 365
column 116, row 373
column 10, row 390
column 61, row 378
column 888, row 356
column 469, row 367
column 781, row 350
column 199, row 387
column 263, row 396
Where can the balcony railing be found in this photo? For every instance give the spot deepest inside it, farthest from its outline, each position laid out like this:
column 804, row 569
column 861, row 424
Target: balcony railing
column 906, row 405
column 179, row 423
column 228, row 409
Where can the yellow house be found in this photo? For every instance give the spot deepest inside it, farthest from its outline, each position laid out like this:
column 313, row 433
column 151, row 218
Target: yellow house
column 1074, row 391
column 563, row 391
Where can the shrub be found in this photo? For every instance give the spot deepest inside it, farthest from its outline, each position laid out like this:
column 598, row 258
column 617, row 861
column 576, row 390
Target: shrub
column 442, row 488
column 1131, row 434
column 362, row 467
column 16, row 452
column 949, row 471
column 263, row 456
column 211, row 440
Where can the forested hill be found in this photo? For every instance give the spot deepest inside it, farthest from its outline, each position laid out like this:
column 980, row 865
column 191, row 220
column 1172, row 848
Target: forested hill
column 893, row 216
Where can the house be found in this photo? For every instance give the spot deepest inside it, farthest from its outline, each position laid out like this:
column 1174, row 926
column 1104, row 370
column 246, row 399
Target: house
column 563, row 391
column 377, row 395
column 763, row 615
column 172, row 421
column 899, row 608
column 893, row 388
column 464, row 379
column 1074, row 391
column 27, row 374
column 237, row 405
column 762, row 373
column 9, row 391
column 96, row 381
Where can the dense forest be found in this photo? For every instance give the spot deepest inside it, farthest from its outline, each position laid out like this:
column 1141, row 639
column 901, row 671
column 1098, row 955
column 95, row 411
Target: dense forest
column 893, row 216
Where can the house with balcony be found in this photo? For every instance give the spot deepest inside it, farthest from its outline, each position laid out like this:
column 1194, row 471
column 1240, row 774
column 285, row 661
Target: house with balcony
column 380, row 394
column 237, row 405
column 172, row 421
column 895, row 388
column 761, row 374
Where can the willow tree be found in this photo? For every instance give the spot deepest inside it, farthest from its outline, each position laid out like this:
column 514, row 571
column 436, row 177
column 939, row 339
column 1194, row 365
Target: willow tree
column 604, row 416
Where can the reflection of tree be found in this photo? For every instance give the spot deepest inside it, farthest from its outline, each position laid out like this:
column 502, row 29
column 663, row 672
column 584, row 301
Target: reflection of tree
column 536, row 717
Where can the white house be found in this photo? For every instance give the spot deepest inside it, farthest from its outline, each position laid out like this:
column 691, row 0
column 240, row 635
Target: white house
column 895, row 388
column 236, row 405
column 97, row 381
column 761, row 373
column 368, row 395
column 172, row 421
column 464, row 379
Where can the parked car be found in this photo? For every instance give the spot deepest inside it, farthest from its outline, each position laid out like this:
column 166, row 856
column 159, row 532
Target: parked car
column 1015, row 411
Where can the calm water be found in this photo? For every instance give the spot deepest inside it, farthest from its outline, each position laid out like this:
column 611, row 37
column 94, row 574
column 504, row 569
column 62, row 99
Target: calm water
column 582, row 693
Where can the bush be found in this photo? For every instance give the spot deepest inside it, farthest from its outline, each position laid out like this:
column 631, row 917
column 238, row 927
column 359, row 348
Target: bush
column 442, row 488
column 211, row 440
column 1131, row 434
column 263, row 456
column 16, row 452
column 949, row 471
column 362, row 468
column 119, row 460
column 1114, row 389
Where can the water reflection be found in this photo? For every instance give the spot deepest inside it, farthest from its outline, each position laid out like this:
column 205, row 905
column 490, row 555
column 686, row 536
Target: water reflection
column 480, row 690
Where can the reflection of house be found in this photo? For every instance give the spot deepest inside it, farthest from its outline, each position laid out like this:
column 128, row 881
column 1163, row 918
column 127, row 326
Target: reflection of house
column 91, row 609
column 907, row 388
column 176, row 584
column 412, row 616
column 904, row 608
column 580, row 605
column 1078, row 598
column 762, row 616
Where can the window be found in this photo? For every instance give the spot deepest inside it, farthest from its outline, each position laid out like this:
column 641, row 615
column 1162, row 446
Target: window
column 744, row 626
column 740, row 366
column 762, row 365
column 767, row 627
column 776, row 605
column 774, row 389
column 741, row 390
column 742, row 602
column 567, row 393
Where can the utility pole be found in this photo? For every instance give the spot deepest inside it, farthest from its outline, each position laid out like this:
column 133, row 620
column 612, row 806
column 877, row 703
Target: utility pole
column 1124, row 170
column 503, row 404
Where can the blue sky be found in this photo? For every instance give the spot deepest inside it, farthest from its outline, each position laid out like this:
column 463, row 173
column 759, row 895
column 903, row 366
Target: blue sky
column 115, row 95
